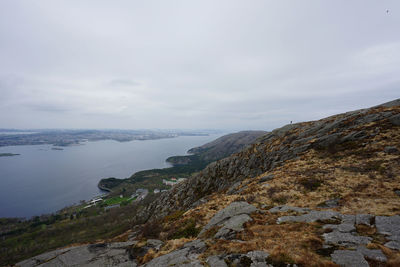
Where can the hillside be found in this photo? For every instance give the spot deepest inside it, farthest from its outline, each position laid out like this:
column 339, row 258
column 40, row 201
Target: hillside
column 218, row 149
column 319, row 193
column 184, row 166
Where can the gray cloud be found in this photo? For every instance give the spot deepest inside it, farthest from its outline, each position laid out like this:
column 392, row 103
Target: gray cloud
column 193, row 64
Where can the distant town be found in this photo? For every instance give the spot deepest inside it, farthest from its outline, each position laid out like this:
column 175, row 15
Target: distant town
column 12, row 137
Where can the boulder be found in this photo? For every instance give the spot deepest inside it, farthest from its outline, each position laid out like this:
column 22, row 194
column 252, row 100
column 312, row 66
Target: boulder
column 233, row 209
column 348, row 258
column 216, row 261
column 345, row 239
column 331, row 203
column 372, row 254
column 364, row 219
column 388, row 225
column 187, row 256
column 154, row 243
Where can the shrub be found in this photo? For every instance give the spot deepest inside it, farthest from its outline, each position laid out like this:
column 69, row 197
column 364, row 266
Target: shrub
column 187, row 230
column 151, row 230
column 310, row 183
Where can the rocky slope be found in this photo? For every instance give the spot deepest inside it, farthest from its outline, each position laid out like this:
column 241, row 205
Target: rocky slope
column 220, row 148
column 319, row 193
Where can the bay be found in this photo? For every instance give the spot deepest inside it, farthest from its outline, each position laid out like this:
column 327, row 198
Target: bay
column 43, row 180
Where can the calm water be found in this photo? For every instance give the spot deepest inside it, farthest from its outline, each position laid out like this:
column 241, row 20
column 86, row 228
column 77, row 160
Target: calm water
column 42, row 180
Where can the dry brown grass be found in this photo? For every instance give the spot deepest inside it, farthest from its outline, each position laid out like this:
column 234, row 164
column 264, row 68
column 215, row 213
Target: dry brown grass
column 286, row 243
column 360, row 174
column 365, row 184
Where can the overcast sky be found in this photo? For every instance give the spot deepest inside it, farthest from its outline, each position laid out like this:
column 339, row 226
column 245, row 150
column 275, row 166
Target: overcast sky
column 194, row 64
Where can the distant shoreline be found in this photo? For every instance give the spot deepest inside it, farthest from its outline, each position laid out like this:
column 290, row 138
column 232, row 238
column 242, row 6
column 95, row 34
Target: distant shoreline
column 8, row 154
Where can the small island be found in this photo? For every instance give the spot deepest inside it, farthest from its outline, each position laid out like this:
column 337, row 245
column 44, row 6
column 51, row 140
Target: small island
column 8, row 154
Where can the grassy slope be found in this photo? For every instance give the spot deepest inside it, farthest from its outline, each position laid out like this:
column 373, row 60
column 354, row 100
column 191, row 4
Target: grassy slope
column 359, row 173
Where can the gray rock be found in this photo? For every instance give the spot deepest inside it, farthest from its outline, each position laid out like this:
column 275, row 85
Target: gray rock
column 345, row 239
column 312, row 216
column 233, row 189
column 232, row 225
column 216, row 261
column 258, row 255
column 300, row 149
column 327, row 140
column 393, row 103
column 196, row 245
column 353, row 136
column 391, row 150
column 348, row 258
column 393, row 245
column 235, row 208
column 242, row 189
column 344, row 228
column 373, row 254
column 177, row 257
column 388, row 225
column 198, row 202
column 397, row 192
column 187, row 256
column 236, row 223
column 266, row 178
column 331, row 203
column 347, row 224
column 225, row 233
column 395, row 120
column 285, row 208
column 364, row 219
column 154, row 243
column 112, row 254
column 283, row 130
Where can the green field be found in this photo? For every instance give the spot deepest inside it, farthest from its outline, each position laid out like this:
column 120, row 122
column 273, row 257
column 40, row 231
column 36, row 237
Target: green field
column 117, row 200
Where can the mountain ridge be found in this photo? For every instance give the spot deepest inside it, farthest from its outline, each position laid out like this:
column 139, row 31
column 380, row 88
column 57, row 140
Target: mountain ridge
column 323, row 192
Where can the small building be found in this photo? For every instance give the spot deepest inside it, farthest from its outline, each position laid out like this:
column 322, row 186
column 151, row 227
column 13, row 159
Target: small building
column 156, row 191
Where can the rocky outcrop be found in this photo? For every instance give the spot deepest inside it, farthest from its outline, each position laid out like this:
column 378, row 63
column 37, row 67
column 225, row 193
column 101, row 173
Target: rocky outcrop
column 230, row 219
column 105, row 254
column 226, row 145
column 343, row 233
column 186, row 256
column 272, row 150
column 390, row 227
column 324, row 226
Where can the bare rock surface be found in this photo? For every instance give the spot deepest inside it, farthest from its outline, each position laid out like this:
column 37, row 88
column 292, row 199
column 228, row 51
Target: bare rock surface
column 372, row 254
column 216, row 261
column 107, row 254
column 312, row 216
column 389, row 226
column 345, row 239
column 186, row 256
column 232, row 217
column 285, row 208
column 364, row 219
column 349, row 258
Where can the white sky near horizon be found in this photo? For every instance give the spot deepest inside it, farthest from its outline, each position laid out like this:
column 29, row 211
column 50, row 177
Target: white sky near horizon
column 187, row 64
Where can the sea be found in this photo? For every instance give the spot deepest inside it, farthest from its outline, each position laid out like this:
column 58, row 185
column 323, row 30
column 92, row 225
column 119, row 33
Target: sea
column 42, row 180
